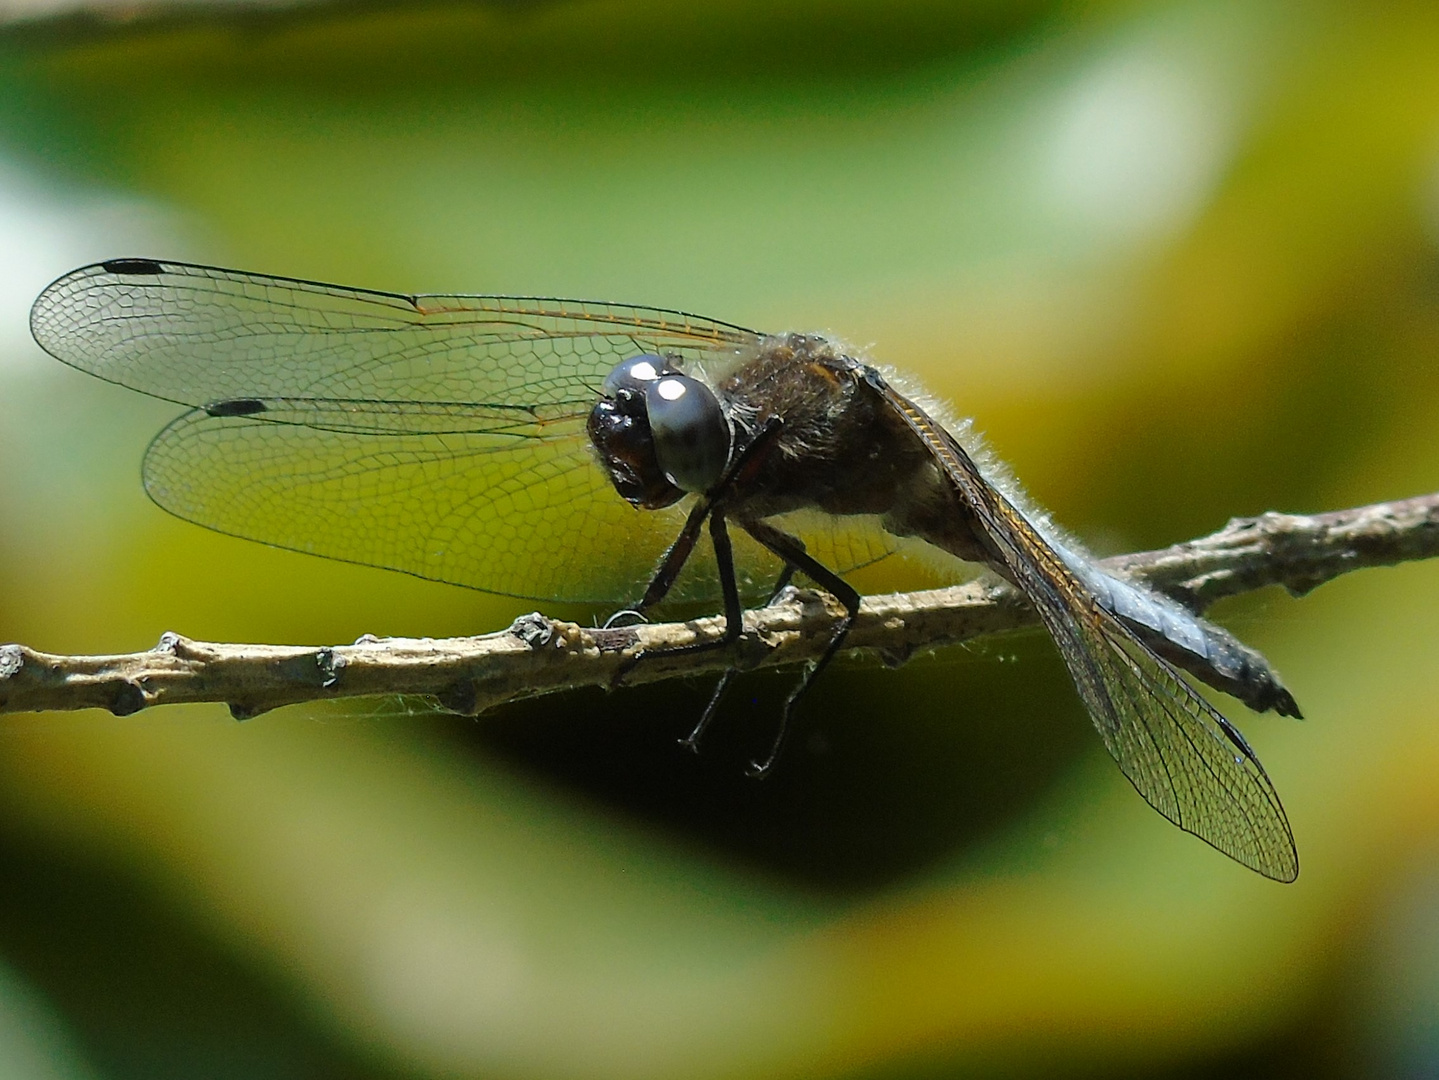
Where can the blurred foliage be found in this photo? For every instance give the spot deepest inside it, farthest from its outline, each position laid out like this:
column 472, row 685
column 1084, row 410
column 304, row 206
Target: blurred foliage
column 1179, row 259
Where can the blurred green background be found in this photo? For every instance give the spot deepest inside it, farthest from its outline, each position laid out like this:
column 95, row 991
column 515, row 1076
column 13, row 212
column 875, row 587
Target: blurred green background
column 1180, row 261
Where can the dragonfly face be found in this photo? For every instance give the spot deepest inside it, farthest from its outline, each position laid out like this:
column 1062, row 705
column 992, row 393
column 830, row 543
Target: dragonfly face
column 658, row 432
column 469, row 439
column 619, row 428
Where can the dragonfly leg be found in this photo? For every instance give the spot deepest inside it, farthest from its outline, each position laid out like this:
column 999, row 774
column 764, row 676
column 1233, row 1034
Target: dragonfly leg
column 675, row 558
column 663, row 580
column 679, row 553
column 710, row 506
column 792, row 551
column 724, row 561
column 691, row 742
column 785, row 577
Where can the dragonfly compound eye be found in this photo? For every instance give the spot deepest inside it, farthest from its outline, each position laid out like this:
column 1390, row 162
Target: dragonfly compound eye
column 619, row 430
column 691, row 433
column 635, row 373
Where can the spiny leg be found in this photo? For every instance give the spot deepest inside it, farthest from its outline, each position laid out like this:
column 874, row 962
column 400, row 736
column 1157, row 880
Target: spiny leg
column 792, row 551
column 663, row 580
column 691, row 742
column 679, row 551
column 671, row 565
column 746, row 460
column 710, row 505
column 724, row 562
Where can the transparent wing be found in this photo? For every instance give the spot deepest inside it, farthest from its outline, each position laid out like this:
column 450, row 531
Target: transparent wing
column 442, row 436
column 197, row 334
column 521, row 516
column 1181, row 754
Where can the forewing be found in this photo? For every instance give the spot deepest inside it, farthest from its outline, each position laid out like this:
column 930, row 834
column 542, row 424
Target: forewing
column 197, row 335
column 1180, row 753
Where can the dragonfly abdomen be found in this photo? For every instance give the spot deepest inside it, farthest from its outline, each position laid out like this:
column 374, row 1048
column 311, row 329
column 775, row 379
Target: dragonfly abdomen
column 1208, row 652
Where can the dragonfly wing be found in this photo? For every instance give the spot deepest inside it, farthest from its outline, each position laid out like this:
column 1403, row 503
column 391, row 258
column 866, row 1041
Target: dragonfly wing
column 521, row 516
column 197, row 335
column 840, row 543
column 1188, row 761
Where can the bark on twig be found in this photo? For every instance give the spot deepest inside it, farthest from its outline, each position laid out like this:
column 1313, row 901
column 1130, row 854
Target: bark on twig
column 537, row 655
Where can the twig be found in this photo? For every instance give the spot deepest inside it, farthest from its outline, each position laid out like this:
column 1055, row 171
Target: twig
column 537, row 655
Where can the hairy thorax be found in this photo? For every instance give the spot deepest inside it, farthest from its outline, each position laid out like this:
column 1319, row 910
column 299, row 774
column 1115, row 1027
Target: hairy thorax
column 840, row 449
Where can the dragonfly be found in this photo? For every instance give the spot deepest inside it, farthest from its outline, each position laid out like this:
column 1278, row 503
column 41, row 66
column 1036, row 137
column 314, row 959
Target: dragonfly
column 565, row 450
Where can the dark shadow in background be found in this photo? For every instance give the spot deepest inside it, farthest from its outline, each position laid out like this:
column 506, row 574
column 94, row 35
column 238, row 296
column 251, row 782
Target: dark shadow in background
column 887, row 771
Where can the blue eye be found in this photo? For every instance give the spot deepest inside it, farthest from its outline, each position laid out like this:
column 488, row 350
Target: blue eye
column 691, row 433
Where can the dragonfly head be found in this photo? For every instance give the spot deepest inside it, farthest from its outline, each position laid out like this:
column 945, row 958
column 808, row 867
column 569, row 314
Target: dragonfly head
column 659, row 433
column 619, row 429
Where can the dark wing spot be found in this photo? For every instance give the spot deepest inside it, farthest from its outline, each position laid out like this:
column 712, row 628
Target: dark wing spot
column 245, row 406
column 133, row 266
